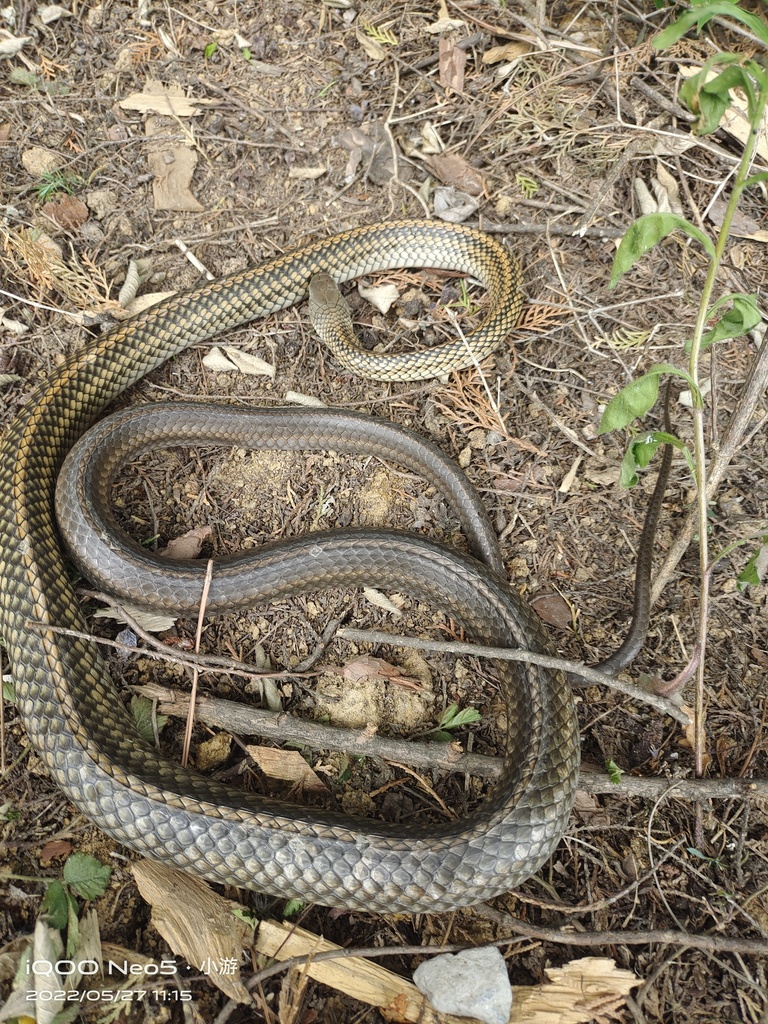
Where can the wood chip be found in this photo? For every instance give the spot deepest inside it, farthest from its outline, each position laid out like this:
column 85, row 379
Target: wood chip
column 575, row 993
column 198, row 925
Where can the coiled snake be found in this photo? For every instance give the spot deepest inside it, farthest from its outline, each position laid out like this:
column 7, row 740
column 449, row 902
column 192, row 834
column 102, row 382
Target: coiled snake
column 88, row 740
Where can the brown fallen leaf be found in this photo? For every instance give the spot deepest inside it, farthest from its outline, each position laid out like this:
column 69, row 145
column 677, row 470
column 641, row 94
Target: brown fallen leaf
column 368, row 667
column 172, row 167
column 172, row 164
column 56, row 848
column 451, row 62
column 454, row 170
column 370, row 146
column 197, row 923
column 188, row 545
column 588, row 807
column 69, row 212
column 742, row 226
column 170, row 100
column 553, row 609
column 508, row 52
column 288, row 766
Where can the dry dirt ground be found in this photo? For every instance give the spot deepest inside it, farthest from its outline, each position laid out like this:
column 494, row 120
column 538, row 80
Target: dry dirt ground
column 297, row 110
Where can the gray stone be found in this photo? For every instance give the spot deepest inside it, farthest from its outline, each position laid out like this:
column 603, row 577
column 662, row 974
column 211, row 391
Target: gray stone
column 469, row 984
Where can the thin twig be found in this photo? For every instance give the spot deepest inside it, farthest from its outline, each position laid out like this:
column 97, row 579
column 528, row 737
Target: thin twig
column 283, row 728
column 664, row 937
column 542, row 230
column 576, row 668
column 732, row 438
column 158, row 652
column 195, row 671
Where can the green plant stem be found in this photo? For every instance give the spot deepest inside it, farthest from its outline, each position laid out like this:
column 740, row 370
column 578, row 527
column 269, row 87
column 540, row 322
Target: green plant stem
column 698, row 416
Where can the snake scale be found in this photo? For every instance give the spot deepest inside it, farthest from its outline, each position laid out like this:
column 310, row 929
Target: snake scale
column 88, row 740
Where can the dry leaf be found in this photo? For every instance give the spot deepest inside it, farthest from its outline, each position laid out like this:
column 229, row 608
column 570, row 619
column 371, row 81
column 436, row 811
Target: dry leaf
column 249, row 364
column 451, row 62
column 671, row 188
column 445, row 25
column 432, row 143
column 368, row 667
column 381, row 601
column 232, row 360
column 605, row 477
column 198, row 925
column 12, row 326
column 454, row 170
column 297, row 398
column 142, row 302
column 172, row 166
column 52, row 12
column 570, row 477
column 373, row 49
column 742, row 226
column 288, row 766
column 56, row 848
column 216, row 361
column 188, row 545
column 588, row 806
column 10, row 45
column 150, row 622
column 372, row 148
column 552, row 609
column 382, row 296
column 452, row 205
column 508, row 52
column 169, row 100
column 68, row 212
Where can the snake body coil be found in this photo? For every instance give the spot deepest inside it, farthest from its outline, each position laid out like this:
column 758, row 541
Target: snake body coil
column 89, row 742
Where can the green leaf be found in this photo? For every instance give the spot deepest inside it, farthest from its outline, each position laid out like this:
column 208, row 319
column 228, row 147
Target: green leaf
column 648, row 231
column 439, row 736
column 702, row 856
column 741, row 318
column 210, row 49
column 709, row 100
column 754, row 571
column 73, row 926
column 143, row 711
column 639, row 396
column 701, row 14
column 452, row 718
column 641, row 450
column 633, row 401
column 756, row 179
column 86, row 876
column 614, row 772
column 54, row 906
column 9, row 690
column 293, row 907
column 639, row 453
